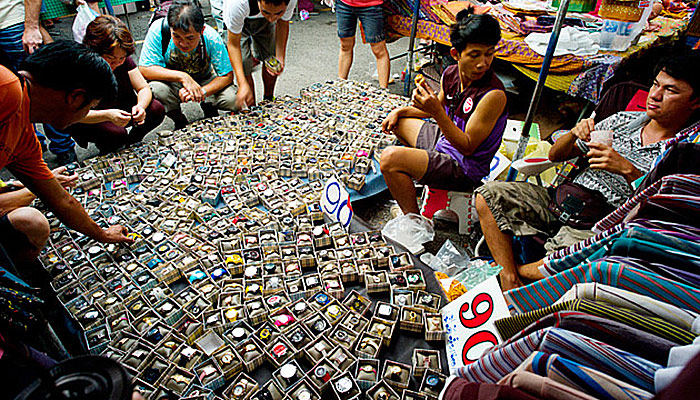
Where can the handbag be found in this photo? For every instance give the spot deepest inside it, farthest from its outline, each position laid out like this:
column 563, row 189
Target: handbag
column 577, row 206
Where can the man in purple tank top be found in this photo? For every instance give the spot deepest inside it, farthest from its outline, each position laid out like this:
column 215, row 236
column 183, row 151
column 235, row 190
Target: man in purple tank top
column 453, row 150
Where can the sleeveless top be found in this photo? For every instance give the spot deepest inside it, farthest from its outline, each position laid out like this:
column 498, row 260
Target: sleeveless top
column 460, row 106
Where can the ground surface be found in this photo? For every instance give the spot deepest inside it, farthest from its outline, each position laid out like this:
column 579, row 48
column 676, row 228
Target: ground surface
column 312, row 56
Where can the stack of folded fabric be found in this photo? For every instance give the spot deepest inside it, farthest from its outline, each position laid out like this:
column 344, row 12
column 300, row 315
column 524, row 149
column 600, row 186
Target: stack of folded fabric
column 616, row 316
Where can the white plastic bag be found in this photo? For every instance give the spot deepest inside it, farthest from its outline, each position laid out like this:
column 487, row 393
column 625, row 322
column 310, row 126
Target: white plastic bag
column 82, row 19
column 410, row 230
column 450, row 259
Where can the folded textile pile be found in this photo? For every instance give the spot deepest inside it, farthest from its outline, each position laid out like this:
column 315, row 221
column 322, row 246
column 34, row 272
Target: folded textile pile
column 618, row 315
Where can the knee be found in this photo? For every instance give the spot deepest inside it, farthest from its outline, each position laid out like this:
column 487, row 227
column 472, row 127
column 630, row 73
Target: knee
column 379, row 49
column 347, row 45
column 155, row 110
column 390, row 157
column 32, row 223
column 482, row 208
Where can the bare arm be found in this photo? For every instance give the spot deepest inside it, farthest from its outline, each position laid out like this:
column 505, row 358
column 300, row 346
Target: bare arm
column 480, row 123
column 219, row 83
column 281, row 37
column 158, row 73
column 143, row 91
column 31, row 39
column 391, row 121
column 565, row 147
column 69, row 211
column 245, row 92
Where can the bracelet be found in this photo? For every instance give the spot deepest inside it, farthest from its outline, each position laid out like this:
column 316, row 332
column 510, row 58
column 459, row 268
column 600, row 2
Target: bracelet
column 204, row 92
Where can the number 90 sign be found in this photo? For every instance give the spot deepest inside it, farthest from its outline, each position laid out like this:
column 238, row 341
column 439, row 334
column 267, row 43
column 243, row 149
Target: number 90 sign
column 469, row 323
column 335, row 202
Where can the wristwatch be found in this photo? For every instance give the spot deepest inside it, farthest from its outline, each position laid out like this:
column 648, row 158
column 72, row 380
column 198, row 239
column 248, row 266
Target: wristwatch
column 288, row 373
column 433, row 382
column 333, row 311
column 395, row 372
column 322, row 374
column 368, row 369
column 344, row 385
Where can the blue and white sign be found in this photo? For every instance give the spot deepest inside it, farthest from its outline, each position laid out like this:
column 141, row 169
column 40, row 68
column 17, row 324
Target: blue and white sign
column 335, row 202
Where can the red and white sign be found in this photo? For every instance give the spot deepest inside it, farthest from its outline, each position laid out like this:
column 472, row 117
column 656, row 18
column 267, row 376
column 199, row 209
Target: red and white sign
column 469, row 324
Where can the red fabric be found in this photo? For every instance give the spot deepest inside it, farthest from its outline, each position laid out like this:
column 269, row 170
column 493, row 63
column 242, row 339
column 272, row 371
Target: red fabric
column 19, row 147
column 461, row 389
column 363, row 3
column 638, row 102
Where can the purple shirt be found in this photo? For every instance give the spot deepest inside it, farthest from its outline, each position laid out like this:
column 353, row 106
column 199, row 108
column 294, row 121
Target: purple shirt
column 460, row 106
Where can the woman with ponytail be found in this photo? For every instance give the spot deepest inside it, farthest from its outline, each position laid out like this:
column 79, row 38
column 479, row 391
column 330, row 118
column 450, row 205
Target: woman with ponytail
column 454, row 149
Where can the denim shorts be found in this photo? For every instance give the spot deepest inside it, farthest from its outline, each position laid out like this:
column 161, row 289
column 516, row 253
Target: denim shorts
column 372, row 19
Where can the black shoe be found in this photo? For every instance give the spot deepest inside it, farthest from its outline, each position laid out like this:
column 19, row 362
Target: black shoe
column 66, row 157
column 210, row 111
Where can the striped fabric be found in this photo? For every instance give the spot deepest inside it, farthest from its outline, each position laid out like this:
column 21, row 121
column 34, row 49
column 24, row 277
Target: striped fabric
column 634, row 302
column 618, row 334
column 690, row 134
column 584, row 244
column 493, row 366
column 509, row 326
column 580, row 377
column 548, row 290
column 679, row 184
column 671, row 250
column 601, row 356
column 542, row 387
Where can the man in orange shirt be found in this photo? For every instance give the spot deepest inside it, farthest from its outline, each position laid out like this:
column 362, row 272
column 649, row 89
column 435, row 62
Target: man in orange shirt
column 57, row 84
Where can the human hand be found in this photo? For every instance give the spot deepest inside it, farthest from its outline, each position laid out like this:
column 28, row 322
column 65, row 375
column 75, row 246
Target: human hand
column 116, row 234
column 193, row 88
column 138, row 114
column 185, row 95
column 583, row 129
column 510, row 281
column 601, row 156
column 31, row 39
column 245, row 96
column 65, row 180
column 425, row 99
column 391, row 122
column 119, row 117
column 279, row 68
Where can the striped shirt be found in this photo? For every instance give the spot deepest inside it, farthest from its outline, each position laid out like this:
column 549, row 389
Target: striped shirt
column 580, row 377
column 509, row 326
column 679, row 184
column 546, row 291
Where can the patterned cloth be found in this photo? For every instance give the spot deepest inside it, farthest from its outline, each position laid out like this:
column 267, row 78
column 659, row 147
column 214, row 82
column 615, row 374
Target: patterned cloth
column 580, row 377
column 635, row 302
column 627, row 141
column 679, row 184
column 601, row 356
column 652, row 247
column 590, row 352
column 546, row 291
column 542, row 387
column 509, row 326
column 614, row 333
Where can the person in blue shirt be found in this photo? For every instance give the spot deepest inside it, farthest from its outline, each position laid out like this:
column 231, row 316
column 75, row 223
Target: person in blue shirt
column 192, row 66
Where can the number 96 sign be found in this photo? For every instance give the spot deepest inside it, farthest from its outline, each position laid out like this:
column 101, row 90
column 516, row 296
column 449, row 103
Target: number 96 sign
column 469, row 323
column 335, row 202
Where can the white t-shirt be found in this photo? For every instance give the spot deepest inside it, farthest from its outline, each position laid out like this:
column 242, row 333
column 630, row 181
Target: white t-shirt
column 12, row 13
column 236, row 11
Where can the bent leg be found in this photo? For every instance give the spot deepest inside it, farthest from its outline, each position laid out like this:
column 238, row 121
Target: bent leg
column 400, row 166
column 407, row 130
column 225, row 100
column 500, row 244
column 24, row 232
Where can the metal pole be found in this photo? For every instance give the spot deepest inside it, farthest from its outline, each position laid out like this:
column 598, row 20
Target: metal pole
column 544, row 71
column 411, row 40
